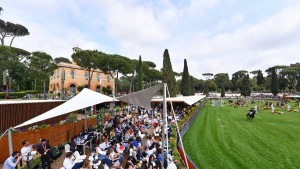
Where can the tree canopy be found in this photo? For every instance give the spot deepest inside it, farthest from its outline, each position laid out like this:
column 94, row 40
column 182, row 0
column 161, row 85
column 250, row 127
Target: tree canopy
column 140, row 74
column 274, row 83
column 62, row 59
column 42, row 64
column 87, row 59
column 185, row 82
column 8, row 29
column 168, row 74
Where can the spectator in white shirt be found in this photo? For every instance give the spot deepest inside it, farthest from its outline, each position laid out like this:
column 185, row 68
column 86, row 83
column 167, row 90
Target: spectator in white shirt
column 104, row 145
column 69, row 162
column 26, row 152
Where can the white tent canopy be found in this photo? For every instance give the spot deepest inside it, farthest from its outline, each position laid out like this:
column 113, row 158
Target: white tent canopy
column 189, row 100
column 85, row 98
column 141, row 98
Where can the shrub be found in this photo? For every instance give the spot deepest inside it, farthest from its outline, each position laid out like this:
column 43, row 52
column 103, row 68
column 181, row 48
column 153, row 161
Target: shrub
column 80, row 88
column 19, row 94
column 72, row 117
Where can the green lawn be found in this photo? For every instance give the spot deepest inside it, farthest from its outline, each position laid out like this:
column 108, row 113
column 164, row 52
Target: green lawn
column 221, row 137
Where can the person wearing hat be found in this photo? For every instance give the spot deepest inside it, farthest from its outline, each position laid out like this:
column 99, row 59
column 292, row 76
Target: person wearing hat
column 44, row 153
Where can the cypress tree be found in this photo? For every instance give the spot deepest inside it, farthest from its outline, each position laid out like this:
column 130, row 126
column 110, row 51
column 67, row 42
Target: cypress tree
column 140, row 74
column 246, row 86
column 168, row 74
column 206, row 90
column 274, row 83
column 260, row 78
column 192, row 86
column 185, row 82
column 223, row 90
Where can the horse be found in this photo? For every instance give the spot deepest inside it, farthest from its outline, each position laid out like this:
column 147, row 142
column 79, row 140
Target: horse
column 251, row 114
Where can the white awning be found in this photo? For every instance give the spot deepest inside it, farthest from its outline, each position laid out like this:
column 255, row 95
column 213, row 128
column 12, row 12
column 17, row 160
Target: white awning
column 189, row 100
column 85, row 98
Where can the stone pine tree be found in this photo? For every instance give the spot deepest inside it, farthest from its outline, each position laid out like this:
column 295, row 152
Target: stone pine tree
column 168, row 74
column 274, row 83
column 260, row 78
column 246, row 86
column 185, row 82
column 223, row 90
column 192, row 86
column 140, row 74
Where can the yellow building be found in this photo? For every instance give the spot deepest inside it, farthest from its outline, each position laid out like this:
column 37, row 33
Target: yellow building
column 70, row 76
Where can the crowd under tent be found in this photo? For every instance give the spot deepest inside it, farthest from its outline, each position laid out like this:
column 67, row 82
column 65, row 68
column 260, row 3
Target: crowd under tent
column 87, row 98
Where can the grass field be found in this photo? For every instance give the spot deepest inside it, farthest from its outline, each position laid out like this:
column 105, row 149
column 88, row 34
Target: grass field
column 221, row 137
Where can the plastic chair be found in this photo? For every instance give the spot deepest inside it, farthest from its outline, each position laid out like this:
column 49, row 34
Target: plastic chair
column 67, row 148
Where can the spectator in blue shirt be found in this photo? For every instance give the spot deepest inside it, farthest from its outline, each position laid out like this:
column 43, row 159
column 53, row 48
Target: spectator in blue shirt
column 9, row 163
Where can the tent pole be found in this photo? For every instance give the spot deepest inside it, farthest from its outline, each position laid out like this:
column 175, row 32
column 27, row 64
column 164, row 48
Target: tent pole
column 85, row 122
column 10, row 141
column 178, row 131
column 152, row 122
column 163, row 127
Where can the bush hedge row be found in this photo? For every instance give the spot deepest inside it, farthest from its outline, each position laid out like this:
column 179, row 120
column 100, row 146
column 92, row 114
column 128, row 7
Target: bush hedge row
column 19, row 94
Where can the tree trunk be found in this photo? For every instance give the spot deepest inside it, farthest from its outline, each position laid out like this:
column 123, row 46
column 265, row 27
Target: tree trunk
column 2, row 41
column 90, row 78
column 89, row 83
column 12, row 41
column 116, row 91
column 35, row 83
column 294, row 81
column 9, row 83
column 44, row 81
column 4, row 77
column 131, row 82
column 63, row 83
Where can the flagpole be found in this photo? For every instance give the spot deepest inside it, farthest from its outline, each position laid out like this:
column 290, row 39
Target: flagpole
column 163, row 127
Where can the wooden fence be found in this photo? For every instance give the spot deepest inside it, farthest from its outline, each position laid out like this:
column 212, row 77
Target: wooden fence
column 17, row 113
column 47, row 133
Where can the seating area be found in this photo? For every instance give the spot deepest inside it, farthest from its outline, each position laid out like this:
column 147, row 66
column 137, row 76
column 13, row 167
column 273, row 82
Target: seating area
column 125, row 141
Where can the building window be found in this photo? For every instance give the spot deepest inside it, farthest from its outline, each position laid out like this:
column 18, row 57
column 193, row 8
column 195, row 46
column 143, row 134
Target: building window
column 108, row 78
column 98, row 89
column 98, row 77
column 72, row 88
column 57, row 73
column 86, row 75
column 72, row 74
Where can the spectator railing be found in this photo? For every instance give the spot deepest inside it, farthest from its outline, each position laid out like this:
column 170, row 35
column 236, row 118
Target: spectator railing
column 66, row 135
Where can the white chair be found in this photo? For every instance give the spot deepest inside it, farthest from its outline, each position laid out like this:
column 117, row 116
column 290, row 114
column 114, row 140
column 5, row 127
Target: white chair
column 67, row 148
column 79, row 158
column 141, row 135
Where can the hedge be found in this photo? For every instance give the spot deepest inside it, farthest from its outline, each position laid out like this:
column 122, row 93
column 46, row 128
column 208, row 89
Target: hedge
column 19, row 94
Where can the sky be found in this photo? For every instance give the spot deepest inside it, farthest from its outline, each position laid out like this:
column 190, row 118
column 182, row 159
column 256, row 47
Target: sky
column 215, row 36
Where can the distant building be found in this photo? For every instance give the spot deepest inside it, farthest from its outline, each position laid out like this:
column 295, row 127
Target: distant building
column 70, row 76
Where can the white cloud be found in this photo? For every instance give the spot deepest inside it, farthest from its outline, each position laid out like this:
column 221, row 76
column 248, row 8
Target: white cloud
column 250, row 47
column 148, row 27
